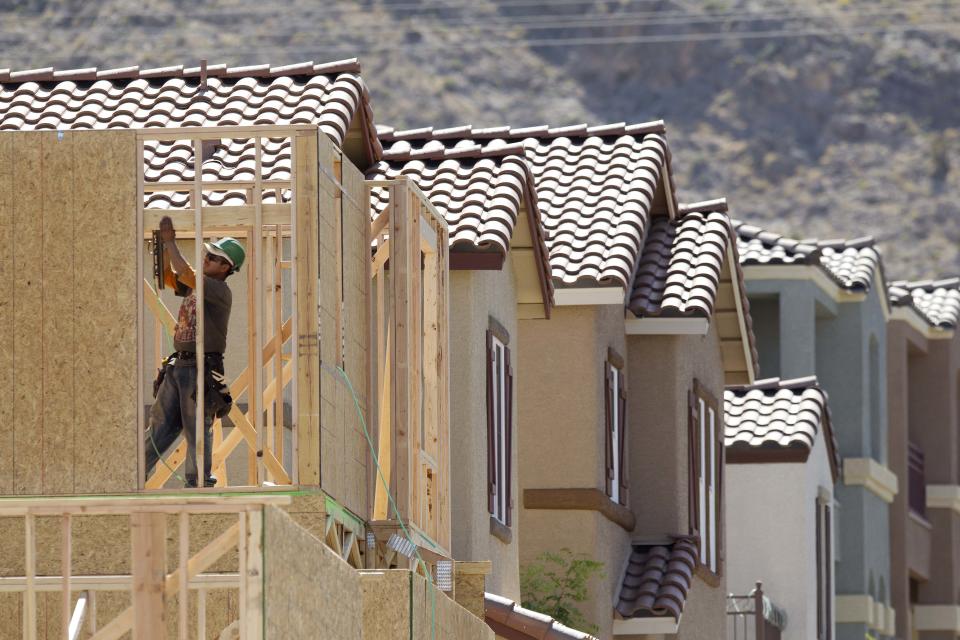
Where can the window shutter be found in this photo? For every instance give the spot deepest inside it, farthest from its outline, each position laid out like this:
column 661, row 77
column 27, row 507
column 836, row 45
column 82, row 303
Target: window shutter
column 819, row 556
column 508, row 480
column 608, row 426
column 491, row 426
column 720, row 490
column 693, row 439
column 622, row 433
column 828, row 571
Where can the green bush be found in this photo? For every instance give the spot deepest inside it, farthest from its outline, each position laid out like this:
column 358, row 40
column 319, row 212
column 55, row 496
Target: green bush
column 555, row 582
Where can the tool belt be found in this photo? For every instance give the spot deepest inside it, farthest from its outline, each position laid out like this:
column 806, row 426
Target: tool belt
column 216, row 393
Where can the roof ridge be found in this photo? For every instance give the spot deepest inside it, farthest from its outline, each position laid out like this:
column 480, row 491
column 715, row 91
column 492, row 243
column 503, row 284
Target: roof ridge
column 50, row 74
column 391, row 134
column 927, row 285
column 704, row 206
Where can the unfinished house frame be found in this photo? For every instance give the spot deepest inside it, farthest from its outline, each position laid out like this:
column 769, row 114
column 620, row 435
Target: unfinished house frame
column 340, row 422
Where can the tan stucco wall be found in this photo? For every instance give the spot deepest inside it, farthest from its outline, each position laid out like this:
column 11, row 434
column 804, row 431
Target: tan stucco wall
column 475, row 296
column 922, row 390
column 782, row 552
column 562, row 440
column 661, row 371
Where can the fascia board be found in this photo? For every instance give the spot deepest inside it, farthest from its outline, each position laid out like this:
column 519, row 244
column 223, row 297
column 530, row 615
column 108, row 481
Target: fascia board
column 588, row 296
column 667, row 326
column 910, row 316
column 642, row 626
column 802, row 272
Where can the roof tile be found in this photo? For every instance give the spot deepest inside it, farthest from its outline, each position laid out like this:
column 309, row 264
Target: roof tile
column 937, row 301
column 658, row 579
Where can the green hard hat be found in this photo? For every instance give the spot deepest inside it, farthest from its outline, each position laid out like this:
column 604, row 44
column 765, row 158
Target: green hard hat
column 227, row 248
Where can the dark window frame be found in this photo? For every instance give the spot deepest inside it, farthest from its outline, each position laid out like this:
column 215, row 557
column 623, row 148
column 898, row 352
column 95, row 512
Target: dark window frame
column 615, row 428
column 499, row 383
column 701, row 402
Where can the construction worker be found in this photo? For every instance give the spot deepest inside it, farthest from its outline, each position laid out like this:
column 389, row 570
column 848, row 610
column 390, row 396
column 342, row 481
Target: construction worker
column 174, row 410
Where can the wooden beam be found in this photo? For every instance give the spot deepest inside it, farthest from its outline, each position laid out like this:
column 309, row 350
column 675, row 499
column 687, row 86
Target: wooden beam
column 30, row 567
column 66, row 547
column 400, row 235
column 183, row 553
column 148, row 562
column 384, row 433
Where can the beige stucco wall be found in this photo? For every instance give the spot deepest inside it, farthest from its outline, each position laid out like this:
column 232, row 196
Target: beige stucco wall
column 562, row 440
column 661, row 371
column 475, row 296
column 782, row 552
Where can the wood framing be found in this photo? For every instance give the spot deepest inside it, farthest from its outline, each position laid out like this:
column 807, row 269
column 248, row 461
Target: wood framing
column 412, row 483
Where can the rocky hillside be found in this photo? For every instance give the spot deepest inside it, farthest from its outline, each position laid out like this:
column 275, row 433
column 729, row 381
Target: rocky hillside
column 827, row 118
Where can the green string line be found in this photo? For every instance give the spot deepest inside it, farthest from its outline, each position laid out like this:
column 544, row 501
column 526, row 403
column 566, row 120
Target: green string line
column 386, row 485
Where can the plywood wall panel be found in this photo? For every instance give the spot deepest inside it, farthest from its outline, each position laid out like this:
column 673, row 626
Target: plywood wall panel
column 106, row 316
column 6, row 316
column 27, row 315
column 57, row 187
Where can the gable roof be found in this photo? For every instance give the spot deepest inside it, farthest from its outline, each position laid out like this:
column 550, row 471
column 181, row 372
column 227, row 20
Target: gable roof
column 851, row 264
column 658, row 579
column 689, row 267
column 594, row 187
column 328, row 95
column 777, row 420
column 936, row 301
column 511, row 621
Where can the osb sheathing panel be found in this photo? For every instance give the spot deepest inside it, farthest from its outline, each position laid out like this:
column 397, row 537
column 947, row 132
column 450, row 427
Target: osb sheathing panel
column 399, row 604
column 6, row 314
column 67, row 261
column 308, row 589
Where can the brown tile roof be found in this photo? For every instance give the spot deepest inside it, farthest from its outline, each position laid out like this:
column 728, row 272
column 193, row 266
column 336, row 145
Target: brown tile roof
column 937, row 301
column 850, row 263
column 594, row 187
column 658, row 579
column 328, row 95
column 511, row 621
column 764, row 420
column 681, row 266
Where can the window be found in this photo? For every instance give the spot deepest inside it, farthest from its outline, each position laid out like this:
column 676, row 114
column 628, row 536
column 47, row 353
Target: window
column 706, row 475
column 824, row 569
column 615, row 428
column 499, row 426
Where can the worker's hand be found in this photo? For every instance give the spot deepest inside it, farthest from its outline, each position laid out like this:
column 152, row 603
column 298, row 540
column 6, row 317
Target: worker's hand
column 167, row 234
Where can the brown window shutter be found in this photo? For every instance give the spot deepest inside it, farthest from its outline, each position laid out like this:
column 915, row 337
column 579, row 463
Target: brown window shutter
column 608, row 426
column 693, row 463
column 719, row 490
column 491, row 425
column 508, row 480
column 621, row 445
column 828, row 570
column 819, row 556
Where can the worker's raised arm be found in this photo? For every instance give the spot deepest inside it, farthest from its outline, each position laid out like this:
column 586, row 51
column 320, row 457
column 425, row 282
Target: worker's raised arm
column 178, row 264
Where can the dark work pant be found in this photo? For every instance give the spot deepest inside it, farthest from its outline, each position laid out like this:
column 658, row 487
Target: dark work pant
column 175, row 411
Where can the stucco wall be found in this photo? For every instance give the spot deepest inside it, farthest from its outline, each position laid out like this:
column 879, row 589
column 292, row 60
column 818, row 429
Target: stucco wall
column 562, row 438
column 475, row 296
column 782, row 553
column 832, row 339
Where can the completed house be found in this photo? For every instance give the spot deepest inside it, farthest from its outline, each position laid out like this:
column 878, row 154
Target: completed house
column 782, row 463
column 820, row 308
column 923, row 382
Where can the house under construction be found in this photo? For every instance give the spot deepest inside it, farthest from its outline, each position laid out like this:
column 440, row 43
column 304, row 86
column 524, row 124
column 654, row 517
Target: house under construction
column 336, row 361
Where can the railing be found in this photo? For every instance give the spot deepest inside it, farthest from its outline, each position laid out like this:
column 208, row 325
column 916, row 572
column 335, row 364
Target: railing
column 149, row 583
column 916, row 480
column 412, row 377
column 754, row 617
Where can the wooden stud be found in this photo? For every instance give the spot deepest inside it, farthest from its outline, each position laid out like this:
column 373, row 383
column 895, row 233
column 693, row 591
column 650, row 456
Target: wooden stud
column 256, row 410
column 252, row 339
column 200, row 345
column 401, row 378
column 141, row 400
column 66, row 562
column 277, row 441
column 244, row 582
column 183, row 554
column 148, row 559
column 201, row 613
column 75, row 621
column 415, row 313
column 307, row 349
column 92, row 615
column 30, row 567
column 338, row 258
